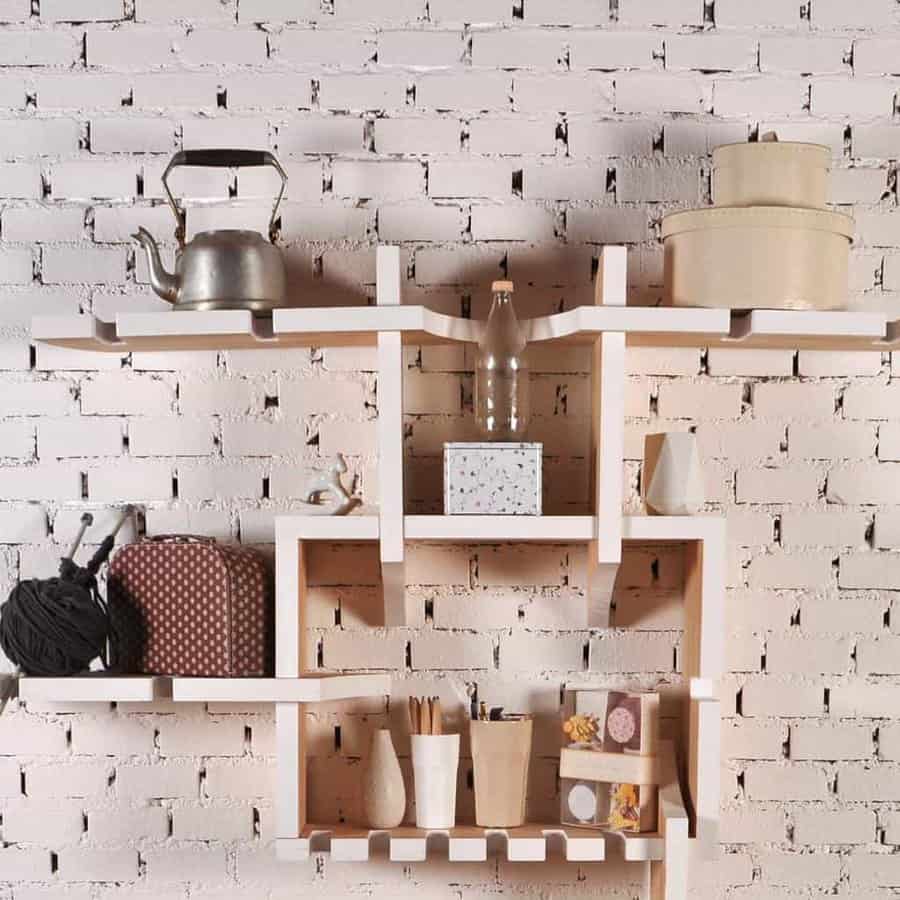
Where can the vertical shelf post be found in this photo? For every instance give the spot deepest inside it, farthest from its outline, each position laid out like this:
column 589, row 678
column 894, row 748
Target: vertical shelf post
column 390, row 447
column 290, row 662
column 608, row 440
column 702, row 665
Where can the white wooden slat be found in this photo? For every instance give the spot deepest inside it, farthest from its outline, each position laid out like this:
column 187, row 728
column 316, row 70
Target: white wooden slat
column 292, row 849
column 669, row 879
column 467, row 849
column 472, row 529
column 290, row 799
column 308, row 689
column 96, row 688
column 325, row 528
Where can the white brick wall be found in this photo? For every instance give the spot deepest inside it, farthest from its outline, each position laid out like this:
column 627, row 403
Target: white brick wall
column 489, row 137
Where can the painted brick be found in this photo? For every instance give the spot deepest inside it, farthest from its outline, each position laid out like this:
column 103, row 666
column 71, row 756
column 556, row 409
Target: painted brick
column 759, row 96
column 656, row 92
column 43, row 823
column 464, row 91
column 776, row 697
column 794, row 570
column 815, row 825
column 766, row 13
column 146, row 782
column 359, row 649
column 832, row 529
column 805, row 655
column 719, row 53
column 861, row 699
column 176, row 864
column 442, row 650
column 867, row 13
column 609, row 50
column 787, row 485
column 572, row 92
column 684, row 400
column 20, row 864
column 518, row 48
column 508, row 136
column 676, row 12
column 213, row 823
column 59, row 438
column 867, row 97
column 793, row 401
column 803, row 55
column 753, row 740
column 752, row 824
column 844, row 440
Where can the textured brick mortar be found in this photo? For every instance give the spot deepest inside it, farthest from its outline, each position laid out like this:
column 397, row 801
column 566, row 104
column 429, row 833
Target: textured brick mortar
column 514, row 146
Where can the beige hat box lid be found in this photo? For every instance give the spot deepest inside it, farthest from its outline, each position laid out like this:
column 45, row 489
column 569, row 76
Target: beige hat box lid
column 770, row 172
column 757, row 257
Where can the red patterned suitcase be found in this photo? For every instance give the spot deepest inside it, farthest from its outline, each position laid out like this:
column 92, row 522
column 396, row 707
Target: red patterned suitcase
column 199, row 608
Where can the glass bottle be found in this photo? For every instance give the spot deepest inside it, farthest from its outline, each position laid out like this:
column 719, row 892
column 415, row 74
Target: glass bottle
column 501, row 374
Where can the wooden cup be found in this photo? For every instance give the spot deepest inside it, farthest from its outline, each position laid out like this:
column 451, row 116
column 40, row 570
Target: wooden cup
column 501, row 753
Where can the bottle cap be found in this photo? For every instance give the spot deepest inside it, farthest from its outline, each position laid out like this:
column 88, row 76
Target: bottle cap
column 502, row 286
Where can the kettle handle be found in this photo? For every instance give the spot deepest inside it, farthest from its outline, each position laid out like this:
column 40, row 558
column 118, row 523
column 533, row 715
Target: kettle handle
column 222, row 159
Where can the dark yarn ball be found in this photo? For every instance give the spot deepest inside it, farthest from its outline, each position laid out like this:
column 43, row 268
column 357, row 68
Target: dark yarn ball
column 53, row 627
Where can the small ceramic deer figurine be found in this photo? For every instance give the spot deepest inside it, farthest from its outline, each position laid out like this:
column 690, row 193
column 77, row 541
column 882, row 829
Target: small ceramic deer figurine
column 342, row 501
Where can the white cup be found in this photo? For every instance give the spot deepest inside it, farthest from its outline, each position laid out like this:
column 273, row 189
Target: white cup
column 435, row 759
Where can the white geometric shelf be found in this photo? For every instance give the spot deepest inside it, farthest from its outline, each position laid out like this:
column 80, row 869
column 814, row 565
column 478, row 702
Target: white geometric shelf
column 607, row 327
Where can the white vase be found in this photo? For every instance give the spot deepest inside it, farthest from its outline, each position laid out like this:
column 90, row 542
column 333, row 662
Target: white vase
column 384, row 796
column 435, row 759
column 672, row 479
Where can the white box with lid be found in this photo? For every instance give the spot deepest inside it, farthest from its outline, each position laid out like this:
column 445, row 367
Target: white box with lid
column 483, row 478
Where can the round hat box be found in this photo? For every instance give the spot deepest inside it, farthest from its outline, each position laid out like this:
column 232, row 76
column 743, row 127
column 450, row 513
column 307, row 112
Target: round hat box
column 759, row 258
column 771, row 173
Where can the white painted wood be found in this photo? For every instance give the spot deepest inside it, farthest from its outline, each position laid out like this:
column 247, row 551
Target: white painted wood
column 669, row 879
column 78, row 332
column 673, row 528
column 292, row 849
column 797, row 328
column 390, row 447
column 307, row 689
column 409, row 849
column 467, row 849
column 324, row 528
column 472, row 529
column 290, row 798
column 643, row 847
column 350, row 849
column 590, row 848
column 526, row 849
column 171, row 323
column 705, row 771
column 96, row 688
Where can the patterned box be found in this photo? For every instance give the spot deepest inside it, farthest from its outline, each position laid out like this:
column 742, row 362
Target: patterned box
column 492, row 479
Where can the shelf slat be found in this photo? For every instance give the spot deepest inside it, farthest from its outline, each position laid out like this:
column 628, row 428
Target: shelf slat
column 98, row 688
column 309, row 689
column 467, row 843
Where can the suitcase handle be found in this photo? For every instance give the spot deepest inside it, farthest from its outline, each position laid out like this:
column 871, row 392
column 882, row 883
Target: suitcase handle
column 179, row 539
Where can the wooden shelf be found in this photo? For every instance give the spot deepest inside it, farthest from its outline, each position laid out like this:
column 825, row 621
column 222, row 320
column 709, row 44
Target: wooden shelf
column 98, row 688
column 530, row 843
column 360, row 325
column 478, row 529
column 306, row 689
column 147, row 688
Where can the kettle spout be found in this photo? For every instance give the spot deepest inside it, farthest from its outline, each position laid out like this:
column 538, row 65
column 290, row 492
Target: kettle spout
column 164, row 283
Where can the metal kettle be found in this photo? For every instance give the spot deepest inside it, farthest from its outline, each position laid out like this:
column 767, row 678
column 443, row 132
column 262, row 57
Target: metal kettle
column 225, row 268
